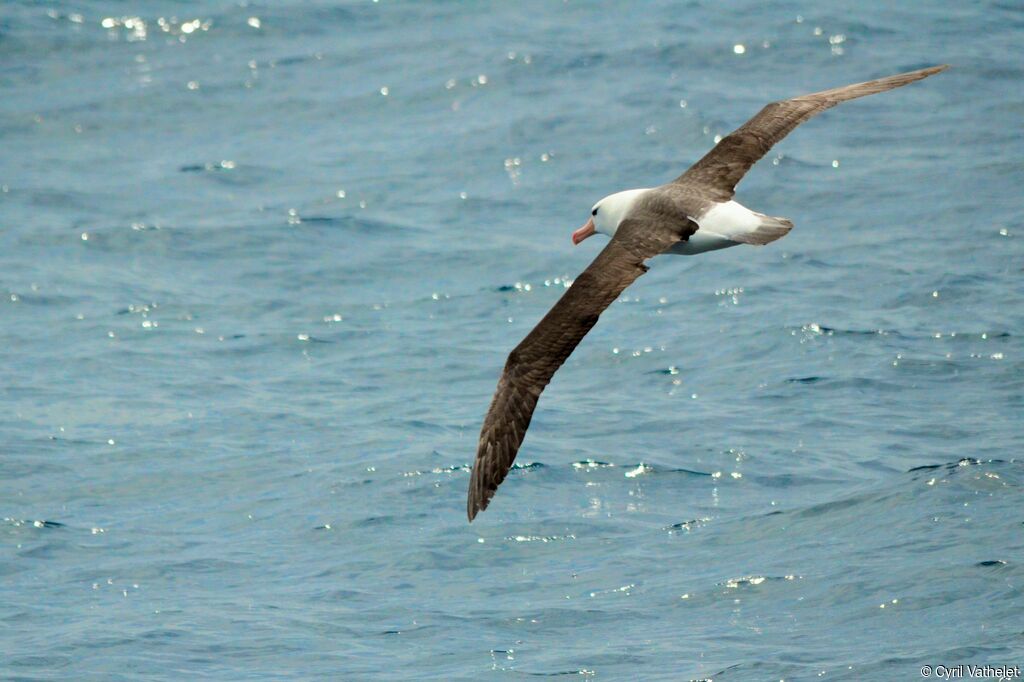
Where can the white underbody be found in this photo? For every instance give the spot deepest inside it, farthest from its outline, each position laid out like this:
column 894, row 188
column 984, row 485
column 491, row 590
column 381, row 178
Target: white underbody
column 715, row 228
column 700, row 241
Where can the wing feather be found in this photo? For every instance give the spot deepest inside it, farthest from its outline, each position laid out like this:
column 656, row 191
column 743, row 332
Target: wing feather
column 535, row 360
column 725, row 165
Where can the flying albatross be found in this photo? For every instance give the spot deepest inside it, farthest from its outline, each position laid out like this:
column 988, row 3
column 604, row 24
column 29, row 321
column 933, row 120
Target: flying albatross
column 692, row 214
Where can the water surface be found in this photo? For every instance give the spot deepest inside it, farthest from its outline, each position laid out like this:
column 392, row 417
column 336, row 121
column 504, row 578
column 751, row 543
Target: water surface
column 261, row 264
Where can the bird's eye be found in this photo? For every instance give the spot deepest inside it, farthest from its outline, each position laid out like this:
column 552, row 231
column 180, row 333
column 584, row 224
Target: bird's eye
column 594, row 212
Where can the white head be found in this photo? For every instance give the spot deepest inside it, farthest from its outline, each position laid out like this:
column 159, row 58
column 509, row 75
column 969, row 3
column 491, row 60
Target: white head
column 606, row 214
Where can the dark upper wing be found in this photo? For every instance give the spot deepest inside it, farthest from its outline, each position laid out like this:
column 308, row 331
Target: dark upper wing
column 534, row 361
column 724, row 166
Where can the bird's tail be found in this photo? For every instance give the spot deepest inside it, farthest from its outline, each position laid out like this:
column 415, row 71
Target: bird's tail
column 768, row 230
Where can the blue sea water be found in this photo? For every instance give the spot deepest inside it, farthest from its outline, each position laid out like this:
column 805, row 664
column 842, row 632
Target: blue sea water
column 261, row 264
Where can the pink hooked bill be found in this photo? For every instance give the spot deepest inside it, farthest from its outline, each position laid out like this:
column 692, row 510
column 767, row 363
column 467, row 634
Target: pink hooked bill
column 584, row 232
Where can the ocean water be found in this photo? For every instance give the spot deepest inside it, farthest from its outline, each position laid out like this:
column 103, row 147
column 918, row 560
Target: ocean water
column 261, row 264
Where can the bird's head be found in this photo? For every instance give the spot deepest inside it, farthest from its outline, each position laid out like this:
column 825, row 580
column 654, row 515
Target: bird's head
column 607, row 214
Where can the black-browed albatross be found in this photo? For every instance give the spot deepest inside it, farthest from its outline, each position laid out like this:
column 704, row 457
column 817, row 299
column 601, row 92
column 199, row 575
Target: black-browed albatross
column 692, row 214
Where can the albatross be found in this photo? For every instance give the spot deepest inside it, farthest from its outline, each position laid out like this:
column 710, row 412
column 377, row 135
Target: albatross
column 692, row 214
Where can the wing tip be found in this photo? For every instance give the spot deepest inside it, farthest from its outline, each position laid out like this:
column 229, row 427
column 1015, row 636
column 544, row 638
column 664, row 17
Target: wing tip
column 930, row 70
column 478, row 499
column 900, row 79
column 474, row 506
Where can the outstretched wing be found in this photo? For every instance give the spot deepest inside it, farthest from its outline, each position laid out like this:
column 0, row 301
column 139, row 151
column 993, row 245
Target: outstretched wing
column 723, row 167
column 535, row 360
